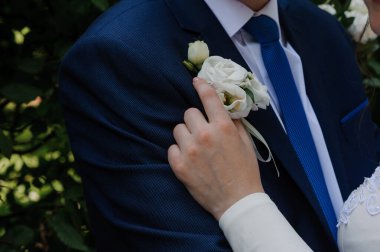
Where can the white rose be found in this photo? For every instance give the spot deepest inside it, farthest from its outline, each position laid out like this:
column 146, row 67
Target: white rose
column 259, row 91
column 359, row 12
column 224, row 71
column 227, row 77
column 198, row 52
column 328, row 8
column 235, row 100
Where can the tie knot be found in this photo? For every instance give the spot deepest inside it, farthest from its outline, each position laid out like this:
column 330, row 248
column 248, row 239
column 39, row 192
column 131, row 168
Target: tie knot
column 263, row 29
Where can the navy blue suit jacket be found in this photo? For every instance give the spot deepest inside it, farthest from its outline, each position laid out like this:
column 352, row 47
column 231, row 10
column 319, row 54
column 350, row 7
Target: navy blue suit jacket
column 124, row 88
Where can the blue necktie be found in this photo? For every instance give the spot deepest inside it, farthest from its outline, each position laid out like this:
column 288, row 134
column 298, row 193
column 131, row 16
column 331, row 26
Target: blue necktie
column 265, row 31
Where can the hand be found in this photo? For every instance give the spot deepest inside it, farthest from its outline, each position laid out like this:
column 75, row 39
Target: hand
column 214, row 158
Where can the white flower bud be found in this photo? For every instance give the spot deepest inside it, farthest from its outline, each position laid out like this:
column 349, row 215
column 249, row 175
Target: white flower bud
column 198, row 52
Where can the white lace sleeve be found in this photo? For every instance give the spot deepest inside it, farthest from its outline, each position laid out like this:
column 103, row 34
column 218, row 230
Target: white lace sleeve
column 255, row 224
column 359, row 221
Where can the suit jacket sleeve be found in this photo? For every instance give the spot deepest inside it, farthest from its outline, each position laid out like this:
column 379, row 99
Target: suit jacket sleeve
column 120, row 111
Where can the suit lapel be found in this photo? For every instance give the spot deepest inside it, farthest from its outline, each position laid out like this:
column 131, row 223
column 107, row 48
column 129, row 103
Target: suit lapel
column 196, row 17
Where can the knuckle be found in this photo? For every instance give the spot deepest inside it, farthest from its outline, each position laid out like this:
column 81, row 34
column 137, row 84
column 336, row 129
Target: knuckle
column 192, row 151
column 180, row 170
column 178, row 166
column 225, row 126
column 204, row 137
column 176, row 163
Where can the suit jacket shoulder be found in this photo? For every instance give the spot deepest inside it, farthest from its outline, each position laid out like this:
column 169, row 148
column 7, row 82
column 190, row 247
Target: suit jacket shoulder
column 130, row 20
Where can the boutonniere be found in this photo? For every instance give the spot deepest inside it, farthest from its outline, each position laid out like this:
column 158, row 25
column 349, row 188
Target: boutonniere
column 238, row 89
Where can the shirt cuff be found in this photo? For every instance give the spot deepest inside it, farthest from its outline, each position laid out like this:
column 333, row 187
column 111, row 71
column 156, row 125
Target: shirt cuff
column 250, row 201
column 254, row 223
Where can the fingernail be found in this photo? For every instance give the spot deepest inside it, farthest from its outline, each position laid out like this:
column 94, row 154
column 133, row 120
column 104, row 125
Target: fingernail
column 195, row 80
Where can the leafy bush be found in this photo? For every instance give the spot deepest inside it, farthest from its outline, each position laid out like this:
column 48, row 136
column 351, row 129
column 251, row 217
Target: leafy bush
column 41, row 200
column 353, row 16
column 41, row 205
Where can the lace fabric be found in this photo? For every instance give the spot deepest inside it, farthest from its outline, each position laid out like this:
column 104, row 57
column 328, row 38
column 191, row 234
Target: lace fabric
column 368, row 195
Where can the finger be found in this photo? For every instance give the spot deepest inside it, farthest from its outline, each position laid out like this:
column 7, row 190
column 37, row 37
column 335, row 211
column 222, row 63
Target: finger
column 174, row 158
column 243, row 132
column 182, row 136
column 177, row 163
column 194, row 120
column 213, row 106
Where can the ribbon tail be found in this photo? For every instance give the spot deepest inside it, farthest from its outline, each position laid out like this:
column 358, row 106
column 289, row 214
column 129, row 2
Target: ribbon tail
column 256, row 134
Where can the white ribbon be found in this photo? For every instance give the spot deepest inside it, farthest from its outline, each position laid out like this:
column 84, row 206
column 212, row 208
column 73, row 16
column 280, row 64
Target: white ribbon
column 256, row 134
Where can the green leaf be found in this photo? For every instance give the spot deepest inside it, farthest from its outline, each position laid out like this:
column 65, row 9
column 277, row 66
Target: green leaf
column 347, row 22
column 73, row 192
column 76, row 7
column 38, row 127
column 67, row 234
column 375, row 65
column 20, row 93
column 20, row 235
column 372, row 82
column 101, row 4
column 5, row 145
column 8, row 248
column 190, row 66
column 250, row 94
column 31, row 66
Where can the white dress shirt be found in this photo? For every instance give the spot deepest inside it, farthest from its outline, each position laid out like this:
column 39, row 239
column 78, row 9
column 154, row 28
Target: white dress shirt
column 233, row 15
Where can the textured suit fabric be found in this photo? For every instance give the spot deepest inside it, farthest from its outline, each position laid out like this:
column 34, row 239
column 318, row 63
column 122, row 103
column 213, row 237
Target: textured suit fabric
column 123, row 89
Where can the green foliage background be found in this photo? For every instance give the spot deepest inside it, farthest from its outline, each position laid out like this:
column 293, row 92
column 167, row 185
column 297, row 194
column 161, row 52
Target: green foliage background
column 41, row 201
column 41, row 204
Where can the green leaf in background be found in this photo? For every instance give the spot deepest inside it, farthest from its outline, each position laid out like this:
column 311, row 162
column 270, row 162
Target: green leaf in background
column 5, row 145
column 39, row 127
column 73, row 192
column 318, row 2
column 20, row 235
column 7, row 248
column 34, row 148
column 372, row 82
column 31, row 66
column 374, row 65
column 20, row 93
column 347, row 22
column 67, row 234
column 101, row 4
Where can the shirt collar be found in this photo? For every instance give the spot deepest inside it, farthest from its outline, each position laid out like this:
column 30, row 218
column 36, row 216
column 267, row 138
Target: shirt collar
column 233, row 15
